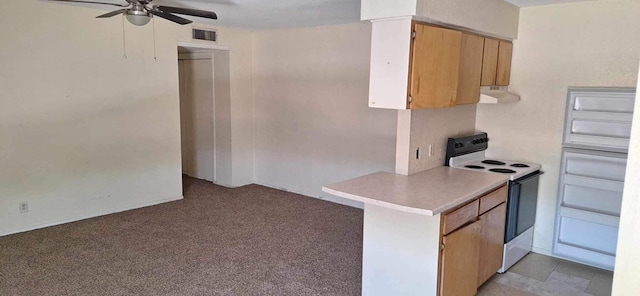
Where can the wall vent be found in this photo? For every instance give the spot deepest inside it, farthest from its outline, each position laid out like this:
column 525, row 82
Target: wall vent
column 207, row 35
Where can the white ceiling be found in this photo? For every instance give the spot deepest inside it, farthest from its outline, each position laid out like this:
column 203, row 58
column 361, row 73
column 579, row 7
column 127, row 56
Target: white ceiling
column 265, row 14
column 526, row 3
column 271, row 14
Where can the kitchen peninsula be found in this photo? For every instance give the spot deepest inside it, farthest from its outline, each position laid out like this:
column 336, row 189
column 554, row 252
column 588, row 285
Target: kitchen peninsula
column 428, row 226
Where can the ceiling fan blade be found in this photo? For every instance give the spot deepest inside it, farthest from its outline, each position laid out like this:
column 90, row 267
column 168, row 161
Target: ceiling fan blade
column 171, row 17
column 91, row 2
column 110, row 14
column 189, row 11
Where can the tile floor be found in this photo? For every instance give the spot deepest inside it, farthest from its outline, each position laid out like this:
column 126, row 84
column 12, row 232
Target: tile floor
column 541, row 275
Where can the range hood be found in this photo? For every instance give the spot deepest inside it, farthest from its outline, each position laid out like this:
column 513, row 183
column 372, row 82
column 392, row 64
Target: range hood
column 497, row 95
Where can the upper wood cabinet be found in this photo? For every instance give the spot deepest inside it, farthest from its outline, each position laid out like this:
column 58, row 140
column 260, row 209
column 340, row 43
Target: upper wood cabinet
column 496, row 62
column 445, row 67
column 418, row 65
column 435, row 61
column 490, row 61
column 470, row 70
column 504, row 63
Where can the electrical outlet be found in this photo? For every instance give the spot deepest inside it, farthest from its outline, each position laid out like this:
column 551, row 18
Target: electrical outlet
column 24, row 207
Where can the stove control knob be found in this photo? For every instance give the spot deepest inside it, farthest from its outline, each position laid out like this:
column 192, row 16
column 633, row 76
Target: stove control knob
column 475, row 142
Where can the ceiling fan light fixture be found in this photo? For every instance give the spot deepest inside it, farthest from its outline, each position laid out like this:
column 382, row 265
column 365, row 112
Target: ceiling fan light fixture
column 138, row 18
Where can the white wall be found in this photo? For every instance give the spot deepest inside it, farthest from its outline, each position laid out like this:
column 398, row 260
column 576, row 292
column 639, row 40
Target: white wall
column 576, row 44
column 83, row 131
column 419, row 129
column 242, row 133
column 379, row 9
column 497, row 18
column 625, row 278
column 222, row 119
column 434, row 127
column 312, row 123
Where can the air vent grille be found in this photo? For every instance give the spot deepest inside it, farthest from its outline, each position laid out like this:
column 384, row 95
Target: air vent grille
column 207, row 35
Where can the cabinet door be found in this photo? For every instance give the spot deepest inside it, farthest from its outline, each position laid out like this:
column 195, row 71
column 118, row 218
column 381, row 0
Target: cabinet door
column 491, row 242
column 459, row 265
column 504, row 63
column 490, row 61
column 470, row 69
column 434, row 67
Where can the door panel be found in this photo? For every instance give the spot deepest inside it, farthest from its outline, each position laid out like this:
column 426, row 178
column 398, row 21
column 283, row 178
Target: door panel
column 491, row 242
column 599, row 118
column 608, row 167
column 589, row 235
column 528, row 204
column 435, row 65
column 593, row 199
column 522, row 203
column 460, row 261
column 470, row 69
column 503, row 71
column 589, row 203
column 489, row 61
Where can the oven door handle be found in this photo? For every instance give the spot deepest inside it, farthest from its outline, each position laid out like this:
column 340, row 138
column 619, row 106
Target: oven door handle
column 528, row 177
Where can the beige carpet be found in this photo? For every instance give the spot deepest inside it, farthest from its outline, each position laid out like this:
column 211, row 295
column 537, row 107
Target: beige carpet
column 246, row 241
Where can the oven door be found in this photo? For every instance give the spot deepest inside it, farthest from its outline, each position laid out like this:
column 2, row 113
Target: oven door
column 521, row 205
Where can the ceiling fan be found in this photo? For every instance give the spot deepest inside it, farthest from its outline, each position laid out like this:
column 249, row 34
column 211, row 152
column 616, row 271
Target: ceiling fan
column 139, row 13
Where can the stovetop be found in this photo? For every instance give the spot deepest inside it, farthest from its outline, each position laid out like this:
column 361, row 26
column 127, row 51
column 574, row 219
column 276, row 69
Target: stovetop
column 478, row 162
column 468, row 153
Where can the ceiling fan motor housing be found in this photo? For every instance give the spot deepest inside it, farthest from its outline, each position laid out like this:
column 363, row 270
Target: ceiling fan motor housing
column 139, row 13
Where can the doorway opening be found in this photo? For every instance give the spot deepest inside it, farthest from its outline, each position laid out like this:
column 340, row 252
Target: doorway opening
column 204, row 104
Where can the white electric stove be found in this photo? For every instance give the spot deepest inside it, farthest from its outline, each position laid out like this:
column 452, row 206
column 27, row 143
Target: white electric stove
column 468, row 153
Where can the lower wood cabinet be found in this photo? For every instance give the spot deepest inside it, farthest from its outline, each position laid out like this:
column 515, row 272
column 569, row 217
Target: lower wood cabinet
column 472, row 239
column 491, row 242
column 459, row 261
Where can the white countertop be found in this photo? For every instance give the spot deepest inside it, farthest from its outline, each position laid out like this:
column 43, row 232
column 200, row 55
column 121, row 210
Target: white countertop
column 427, row 193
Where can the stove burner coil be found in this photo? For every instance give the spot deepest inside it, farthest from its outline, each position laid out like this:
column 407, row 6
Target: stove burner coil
column 519, row 165
column 493, row 162
column 477, row 167
column 504, row 171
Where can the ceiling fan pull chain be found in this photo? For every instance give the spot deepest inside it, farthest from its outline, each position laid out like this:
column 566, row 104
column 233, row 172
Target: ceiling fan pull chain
column 155, row 54
column 124, row 39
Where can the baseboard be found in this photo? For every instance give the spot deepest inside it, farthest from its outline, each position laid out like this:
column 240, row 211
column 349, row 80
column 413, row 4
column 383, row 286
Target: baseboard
column 543, row 252
column 229, row 185
column 336, row 200
column 84, row 217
